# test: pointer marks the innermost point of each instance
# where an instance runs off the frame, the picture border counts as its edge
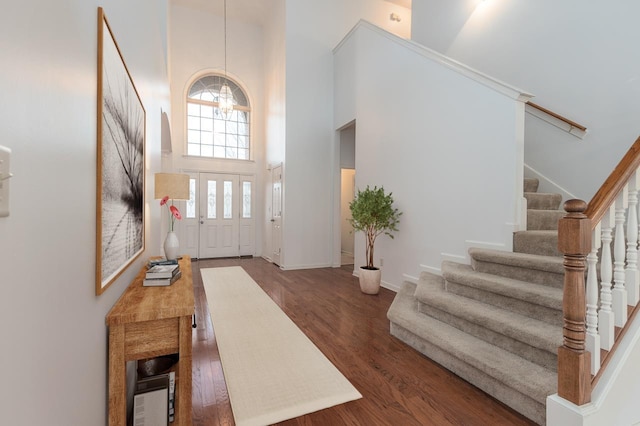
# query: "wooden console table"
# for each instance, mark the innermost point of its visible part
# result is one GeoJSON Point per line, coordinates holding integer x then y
{"type": "Point", "coordinates": [147, 322]}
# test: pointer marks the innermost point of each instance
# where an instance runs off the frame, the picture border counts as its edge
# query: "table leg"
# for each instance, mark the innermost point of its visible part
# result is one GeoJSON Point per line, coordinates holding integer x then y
{"type": "Point", "coordinates": [117, 377]}
{"type": "Point", "coordinates": [183, 392]}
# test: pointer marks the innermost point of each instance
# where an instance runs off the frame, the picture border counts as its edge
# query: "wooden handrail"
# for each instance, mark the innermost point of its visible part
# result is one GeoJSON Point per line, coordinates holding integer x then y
{"type": "Point", "coordinates": [558, 116]}
{"type": "Point", "coordinates": [611, 187]}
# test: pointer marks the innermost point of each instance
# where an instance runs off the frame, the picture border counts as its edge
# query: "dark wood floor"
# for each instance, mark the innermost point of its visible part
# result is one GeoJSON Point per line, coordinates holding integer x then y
{"type": "Point", "coordinates": [399, 386]}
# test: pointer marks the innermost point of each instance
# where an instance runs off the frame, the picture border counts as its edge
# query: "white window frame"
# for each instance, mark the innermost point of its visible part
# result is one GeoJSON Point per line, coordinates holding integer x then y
{"type": "Point", "coordinates": [214, 104]}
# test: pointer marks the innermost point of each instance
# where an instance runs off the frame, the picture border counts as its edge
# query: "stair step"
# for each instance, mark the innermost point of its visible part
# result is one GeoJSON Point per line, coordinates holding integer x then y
{"type": "Point", "coordinates": [537, 301]}
{"type": "Point", "coordinates": [529, 338]}
{"type": "Point", "coordinates": [518, 383]}
{"type": "Point", "coordinates": [537, 269]}
{"type": "Point", "coordinates": [531, 185]}
{"type": "Point", "coordinates": [542, 201]}
{"type": "Point", "coordinates": [543, 243]}
{"type": "Point", "coordinates": [497, 322]}
{"type": "Point", "coordinates": [539, 220]}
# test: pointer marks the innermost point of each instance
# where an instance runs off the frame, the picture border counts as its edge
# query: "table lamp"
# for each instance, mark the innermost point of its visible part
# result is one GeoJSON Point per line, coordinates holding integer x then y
{"type": "Point", "coordinates": [170, 187]}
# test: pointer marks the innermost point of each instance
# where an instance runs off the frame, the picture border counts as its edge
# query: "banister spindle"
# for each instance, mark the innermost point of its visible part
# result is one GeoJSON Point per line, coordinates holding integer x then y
{"type": "Point", "coordinates": [632, 275]}
{"type": "Point", "coordinates": [593, 338]}
{"type": "Point", "coordinates": [619, 292]}
{"type": "Point", "coordinates": [605, 315]}
{"type": "Point", "coordinates": [574, 362]}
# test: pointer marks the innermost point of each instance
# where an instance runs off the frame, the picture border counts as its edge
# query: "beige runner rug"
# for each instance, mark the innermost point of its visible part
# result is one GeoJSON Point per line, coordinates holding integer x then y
{"type": "Point", "coordinates": [273, 371]}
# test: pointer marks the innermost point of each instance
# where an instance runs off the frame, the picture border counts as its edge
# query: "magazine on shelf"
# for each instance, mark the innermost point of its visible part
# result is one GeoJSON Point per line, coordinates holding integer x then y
{"type": "Point", "coordinates": [162, 271]}
{"type": "Point", "coordinates": [172, 396]}
{"type": "Point", "coordinates": [151, 401]}
{"type": "Point", "coordinates": [155, 282]}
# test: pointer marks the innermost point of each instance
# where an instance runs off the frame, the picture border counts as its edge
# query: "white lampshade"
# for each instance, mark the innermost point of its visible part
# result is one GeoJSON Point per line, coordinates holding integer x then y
{"type": "Point", "coordinates": [173, 185]}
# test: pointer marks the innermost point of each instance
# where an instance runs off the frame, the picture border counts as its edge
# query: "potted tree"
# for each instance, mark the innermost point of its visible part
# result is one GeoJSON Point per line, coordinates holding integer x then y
{"type": "Point", "coordinates": [372, 212]}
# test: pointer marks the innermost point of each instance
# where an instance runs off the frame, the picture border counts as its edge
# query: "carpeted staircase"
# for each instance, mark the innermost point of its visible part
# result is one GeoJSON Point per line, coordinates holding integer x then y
{"type": "Point", "coordinates": [498, 322]}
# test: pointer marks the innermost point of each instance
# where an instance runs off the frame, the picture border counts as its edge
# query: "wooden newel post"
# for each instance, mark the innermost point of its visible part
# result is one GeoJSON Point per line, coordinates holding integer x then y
{"type": "Point", "coordinates": [574, 362]}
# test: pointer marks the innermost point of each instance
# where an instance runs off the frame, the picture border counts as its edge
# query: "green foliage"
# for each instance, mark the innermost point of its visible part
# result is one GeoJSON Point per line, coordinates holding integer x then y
{"type": "Point", "coordinates": [372, 212]}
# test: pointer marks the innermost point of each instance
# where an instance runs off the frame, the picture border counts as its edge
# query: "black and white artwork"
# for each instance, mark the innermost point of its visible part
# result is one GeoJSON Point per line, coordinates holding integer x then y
{"type": "Point", "coordinates": [121, 143]}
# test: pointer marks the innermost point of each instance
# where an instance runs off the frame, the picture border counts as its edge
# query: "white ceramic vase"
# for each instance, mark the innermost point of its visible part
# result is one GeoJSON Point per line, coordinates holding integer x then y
{"type": "Point", "coordinates": [171, 246]}
{"type": "Point", "coordinates": [370, 280]}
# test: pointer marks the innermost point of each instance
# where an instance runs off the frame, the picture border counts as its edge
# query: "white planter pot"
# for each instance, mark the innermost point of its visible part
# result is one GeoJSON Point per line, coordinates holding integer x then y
{"type": "Point", "coordinates": [370, 280]}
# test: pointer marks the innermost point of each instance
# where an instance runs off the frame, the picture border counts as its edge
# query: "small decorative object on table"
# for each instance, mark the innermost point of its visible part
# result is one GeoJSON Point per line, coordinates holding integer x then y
{"type": "Point", "coordinates": [162, 271]}
{"type": "Point", "coordinates": [171, 244]}
{"type": "Point", "coordinates": [158, 282]}
{"type": "Point", "coordinates": [160, 261]}
{"type": "Point", "coordinates": [161, 275]}
{"type": "Point", "coordinates": [170, 187]}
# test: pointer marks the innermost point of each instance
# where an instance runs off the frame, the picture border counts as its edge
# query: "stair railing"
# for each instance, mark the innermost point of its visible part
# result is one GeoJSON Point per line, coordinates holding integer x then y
{"type": "Point", "coordinates": [596, 310]}
{"type": "Point", "coordinates": [557, 120]}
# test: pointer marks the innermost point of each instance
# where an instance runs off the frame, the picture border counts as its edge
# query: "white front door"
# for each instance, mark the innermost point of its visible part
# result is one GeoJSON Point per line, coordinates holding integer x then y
{"type": "Point", "coordinates": [219, 216]}
{"type": "Point", "coordinates": [276, 214]}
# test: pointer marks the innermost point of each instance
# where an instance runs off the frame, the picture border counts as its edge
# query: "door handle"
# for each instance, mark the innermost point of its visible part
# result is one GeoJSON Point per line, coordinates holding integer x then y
{"type": "Point", "coordinates": [202, 222]}
{"type": "Point", "coordinates": [273, 220]}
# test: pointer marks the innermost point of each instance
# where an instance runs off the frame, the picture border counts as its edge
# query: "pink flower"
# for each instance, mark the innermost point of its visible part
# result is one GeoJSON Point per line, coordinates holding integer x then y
{"type": "Point", "coordinates": [175, 212]}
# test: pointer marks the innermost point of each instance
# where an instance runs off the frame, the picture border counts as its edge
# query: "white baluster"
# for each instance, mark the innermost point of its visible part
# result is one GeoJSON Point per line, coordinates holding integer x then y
{"type": "Point", "coordinates": [633, 275]}
{"type": "Point", "coordinates": [605, 315]}
{"type": "Point", "coordinates": [619, 292]}
{"type": "Point", "coordinates": [592, 341]}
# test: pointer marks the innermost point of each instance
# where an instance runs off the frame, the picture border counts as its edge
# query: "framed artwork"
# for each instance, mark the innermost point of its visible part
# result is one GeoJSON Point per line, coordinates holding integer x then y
{"type": "Point", "coordinates": [120, 163]}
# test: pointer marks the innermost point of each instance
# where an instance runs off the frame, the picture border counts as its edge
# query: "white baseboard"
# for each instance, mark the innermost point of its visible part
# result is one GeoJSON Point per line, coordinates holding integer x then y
{"type": "Point", "coordinates": [298, 267]}
{"type": "Point", "coordinates": [455, 258]}
{"type": "Point", "coordinates": [483, 244]}
{"type": "Point", "coordinates": [410, 278]}
{"type": "Point", "coordinates": [390, 286]}
{"type": "Point", "coordinates": [431, 269]}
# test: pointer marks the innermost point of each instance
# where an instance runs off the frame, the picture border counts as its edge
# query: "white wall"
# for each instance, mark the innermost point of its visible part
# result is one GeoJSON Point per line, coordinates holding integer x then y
{"type": "Point", "coordinates": [579, 59]}
{"type": "Point", "coordinates": [313, 29]}
{"type": "Point", "coordinates": [348, 147]}
{"type": "Point", "coordinates": [446, 146]}
{"type": "Point", "coordinates": [275, 82]}
{"type": "Point", "coordinates": [347, 185]}
{"type": "Point", "coordinates": [53, 334]}
{"type": "Point", "coordinates": [197, 47]}
{"type": "Point", "coordinates": [275, 106]}
{"type": "Point", "coordinates": [347, 192]}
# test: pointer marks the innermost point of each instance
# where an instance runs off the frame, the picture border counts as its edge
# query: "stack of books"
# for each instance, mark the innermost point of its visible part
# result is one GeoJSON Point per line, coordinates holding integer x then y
{"type": "Point", "coordinates": [162, 273]}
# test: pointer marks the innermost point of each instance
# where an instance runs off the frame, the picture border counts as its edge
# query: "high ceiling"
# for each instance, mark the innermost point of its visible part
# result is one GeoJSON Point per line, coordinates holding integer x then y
{"type": "Point", "coordinates": [252, 11]}
{"type": "Point", "coordinates": [403, 3]}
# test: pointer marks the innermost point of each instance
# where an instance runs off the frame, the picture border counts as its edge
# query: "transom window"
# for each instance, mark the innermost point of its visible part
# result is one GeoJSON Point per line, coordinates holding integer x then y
{"type": "Point", "coordinates": [210, 132]}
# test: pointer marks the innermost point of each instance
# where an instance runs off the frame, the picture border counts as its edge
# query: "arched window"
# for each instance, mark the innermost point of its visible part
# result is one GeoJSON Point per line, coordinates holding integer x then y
{"type": "Point", "coordinates": [209, 132]}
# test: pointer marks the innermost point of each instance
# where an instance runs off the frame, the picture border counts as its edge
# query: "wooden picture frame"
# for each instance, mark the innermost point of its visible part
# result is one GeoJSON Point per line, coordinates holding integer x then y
{"type": "Point", "coordinates": [120, 163]}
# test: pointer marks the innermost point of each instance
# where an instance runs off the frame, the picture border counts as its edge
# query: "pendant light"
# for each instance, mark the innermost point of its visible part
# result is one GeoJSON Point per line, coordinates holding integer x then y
{"type": "Point", "coordinates": [225, 99]}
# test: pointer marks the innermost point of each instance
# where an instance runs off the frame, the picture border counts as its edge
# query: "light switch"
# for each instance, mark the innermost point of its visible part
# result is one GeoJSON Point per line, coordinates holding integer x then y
{"type": "Point", "coordinates": [5, 179]}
